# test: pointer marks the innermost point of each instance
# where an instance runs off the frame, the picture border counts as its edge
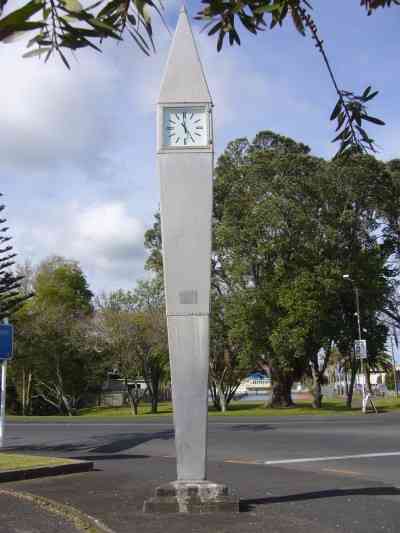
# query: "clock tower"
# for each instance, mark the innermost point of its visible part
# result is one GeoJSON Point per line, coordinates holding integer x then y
{"type": "Point", "coordinates": [185, 166]}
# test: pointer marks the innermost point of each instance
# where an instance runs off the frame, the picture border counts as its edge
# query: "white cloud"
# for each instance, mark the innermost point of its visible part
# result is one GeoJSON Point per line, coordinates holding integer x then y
{"type": "Point", "coordinates": [106, 239]}
{"type": "Point", "coordinates": [51, 116]}
{"type": "Point", "coordinates": [108, 234]}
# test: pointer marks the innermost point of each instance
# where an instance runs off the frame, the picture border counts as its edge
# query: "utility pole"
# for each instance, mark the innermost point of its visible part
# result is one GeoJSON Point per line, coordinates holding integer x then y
{"type": "Point", "coordinates": [394, 365]}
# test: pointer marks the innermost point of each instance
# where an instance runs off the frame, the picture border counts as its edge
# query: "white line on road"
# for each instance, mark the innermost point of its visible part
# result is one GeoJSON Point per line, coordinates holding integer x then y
{"type": "Point", "coordinates": [331, 458]}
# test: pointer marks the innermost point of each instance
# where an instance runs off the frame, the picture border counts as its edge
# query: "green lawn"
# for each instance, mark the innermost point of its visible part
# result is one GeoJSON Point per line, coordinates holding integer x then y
{"type": "Point", "coordinates": [303, 407]}
{"type": "Point", "coordinates": [9, 461]}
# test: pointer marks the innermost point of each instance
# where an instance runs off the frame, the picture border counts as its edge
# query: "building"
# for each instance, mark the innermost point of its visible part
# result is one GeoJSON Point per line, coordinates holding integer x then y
{"type": "Point", "coordinates": [254, 383]}
{"type": "Point", "coordinates": [115, 389]}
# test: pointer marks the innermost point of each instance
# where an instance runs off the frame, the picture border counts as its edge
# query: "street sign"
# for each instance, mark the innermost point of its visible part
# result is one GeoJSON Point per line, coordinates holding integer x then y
{"type": "Point", "coordinates": [360, 349]}
{"type": "Point", "coordinates": [6, 341]}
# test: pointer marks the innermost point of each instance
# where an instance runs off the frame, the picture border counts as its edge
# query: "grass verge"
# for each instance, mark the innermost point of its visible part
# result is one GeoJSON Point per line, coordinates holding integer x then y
{"type": "Point", "coordinates": [10, 461]}
{"type": "Point", "coordinates": [238, 408]}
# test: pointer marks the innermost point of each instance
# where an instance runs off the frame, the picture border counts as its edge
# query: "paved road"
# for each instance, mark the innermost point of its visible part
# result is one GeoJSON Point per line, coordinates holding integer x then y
{"type": "Point", "coordinates": [298, 473]}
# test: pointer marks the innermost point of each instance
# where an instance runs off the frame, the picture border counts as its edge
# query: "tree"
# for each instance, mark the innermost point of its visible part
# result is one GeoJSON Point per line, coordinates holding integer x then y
{"type": "Point", "coordinates": [11, 297]}
{"type": "Point", "coordinates": [57, 359]}
{"type": "Point", "coordinates": [287, 227]}
{"type": "Point", "coordinates": [115, 326]}
{"type": "Point", "coordinates": [261, 233]}
{"type": "Point", "coordinates": [133, 328]}
{"type": "Point", "coordinates": [228, 363]}
{"type": "Point", "coordinates": [152, 337]}
{"type": "Point", "coordinates": [68, 25]}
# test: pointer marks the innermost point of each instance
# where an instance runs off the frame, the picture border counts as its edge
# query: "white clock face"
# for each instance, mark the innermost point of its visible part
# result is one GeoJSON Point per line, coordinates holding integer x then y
{"type": "Point", "coordinates": [185, 126]}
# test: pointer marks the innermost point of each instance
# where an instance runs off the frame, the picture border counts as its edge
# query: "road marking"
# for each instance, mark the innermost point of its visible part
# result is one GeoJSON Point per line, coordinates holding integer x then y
{"type": "Point", "coordinates": [241, 461]}
{"type": "Point", "coordinates": [331, 458]}
{"type": "Point", "coordinates": [338, 471]}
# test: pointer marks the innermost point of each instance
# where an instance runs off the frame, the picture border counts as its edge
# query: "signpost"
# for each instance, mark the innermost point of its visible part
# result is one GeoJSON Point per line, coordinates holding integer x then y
{"type": "Point", "coordinates": [6, 352]}
{"type": "Point", "coordinates": [360, 349]}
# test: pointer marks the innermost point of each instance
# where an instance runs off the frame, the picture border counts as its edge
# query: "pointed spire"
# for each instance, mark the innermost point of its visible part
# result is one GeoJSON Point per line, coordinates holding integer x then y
{"type": "Point", "coordinates": [184, 80]}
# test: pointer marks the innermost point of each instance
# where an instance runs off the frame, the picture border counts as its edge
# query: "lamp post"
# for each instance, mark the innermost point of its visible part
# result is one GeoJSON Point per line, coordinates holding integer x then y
{"type": "Point", "coordinates": [357, 295]}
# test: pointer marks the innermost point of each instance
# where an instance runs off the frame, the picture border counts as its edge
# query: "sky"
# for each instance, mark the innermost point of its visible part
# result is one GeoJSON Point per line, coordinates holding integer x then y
{"type": "Point", "coordinates": [77, 148]}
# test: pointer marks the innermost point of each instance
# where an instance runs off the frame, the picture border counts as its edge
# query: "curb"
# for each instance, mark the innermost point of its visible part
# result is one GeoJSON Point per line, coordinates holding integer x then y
{"type": "Point", "coordinates": [81, 521]}
{"type": "Point", "coordinates": [44, 471]}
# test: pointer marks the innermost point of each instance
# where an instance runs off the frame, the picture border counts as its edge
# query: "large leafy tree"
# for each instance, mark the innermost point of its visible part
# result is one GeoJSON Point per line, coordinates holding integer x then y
{"type": "Point", "coordinates": [259, 234]}
{"type": "Point", "coordinates": [60, 25]}
{"type": "Point", "coordinates": [57, 358]}
{"type": "Point", "coordinates": [288, 226]}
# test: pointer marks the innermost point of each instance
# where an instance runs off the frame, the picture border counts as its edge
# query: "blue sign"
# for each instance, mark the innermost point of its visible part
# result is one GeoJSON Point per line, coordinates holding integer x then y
{"type": "Point", "coordinates": [6, 341]}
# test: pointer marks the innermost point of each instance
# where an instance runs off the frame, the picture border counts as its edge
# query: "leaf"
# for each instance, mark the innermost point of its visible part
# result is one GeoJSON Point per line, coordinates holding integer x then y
{"type": "Point", "coordinates": [374, 120]}
{"type": "Point", "coordinates": [13, 37]}
{"type": "Point", "coordinates": [371, 96]}
{"type": "Point", "coordinates": [140, 45]}
{"type": "Point", "coordinates": [337, 109]}
{"type": "Point", "coordinates": [132, 19]}
{"type": "Point", "coordinates": [366, 92]}
{"type": "Point", "coordinates": [268, 8]}
{"type": "Point", "coordinates": [341, 119]}
{"type": "Point", "coordinates": [18, 20]}
{"type": "Point", "coordinates": [215, 28]}
{"type": "Point", "coordinates": [73, 5]}
{"type": "Point", "coordinates": [109, 8]}
{"type": "Point", "coordinates": [64, 59]}
{"type": "Point", "coordinates": [298, 21]}
{"type": "Point", "coordinates": [21, 28]}
{"type": "Point", "coordinates": [236, 37]}
{"type": "Point", "coordinates": [220, 42]}
{"type": "Point", "coordinates": [107, 29]}
{"type": "Point", "coordinates": [35, 53]}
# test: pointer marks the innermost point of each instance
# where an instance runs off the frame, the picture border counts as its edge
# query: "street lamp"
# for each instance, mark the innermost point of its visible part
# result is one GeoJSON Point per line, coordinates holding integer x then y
{"type": "Point", "coordinates": [356, 291]}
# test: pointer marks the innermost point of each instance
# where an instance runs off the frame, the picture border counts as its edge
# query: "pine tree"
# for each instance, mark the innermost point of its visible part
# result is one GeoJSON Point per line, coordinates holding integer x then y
{"type": "Point", "coordinates": [11, 297]}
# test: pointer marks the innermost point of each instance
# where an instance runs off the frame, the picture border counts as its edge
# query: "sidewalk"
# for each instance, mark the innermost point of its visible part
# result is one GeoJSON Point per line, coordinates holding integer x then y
{"type": "Point", "coordinates": [274, 499]}
{"type": "Point", "coordinates": [18, 515]}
